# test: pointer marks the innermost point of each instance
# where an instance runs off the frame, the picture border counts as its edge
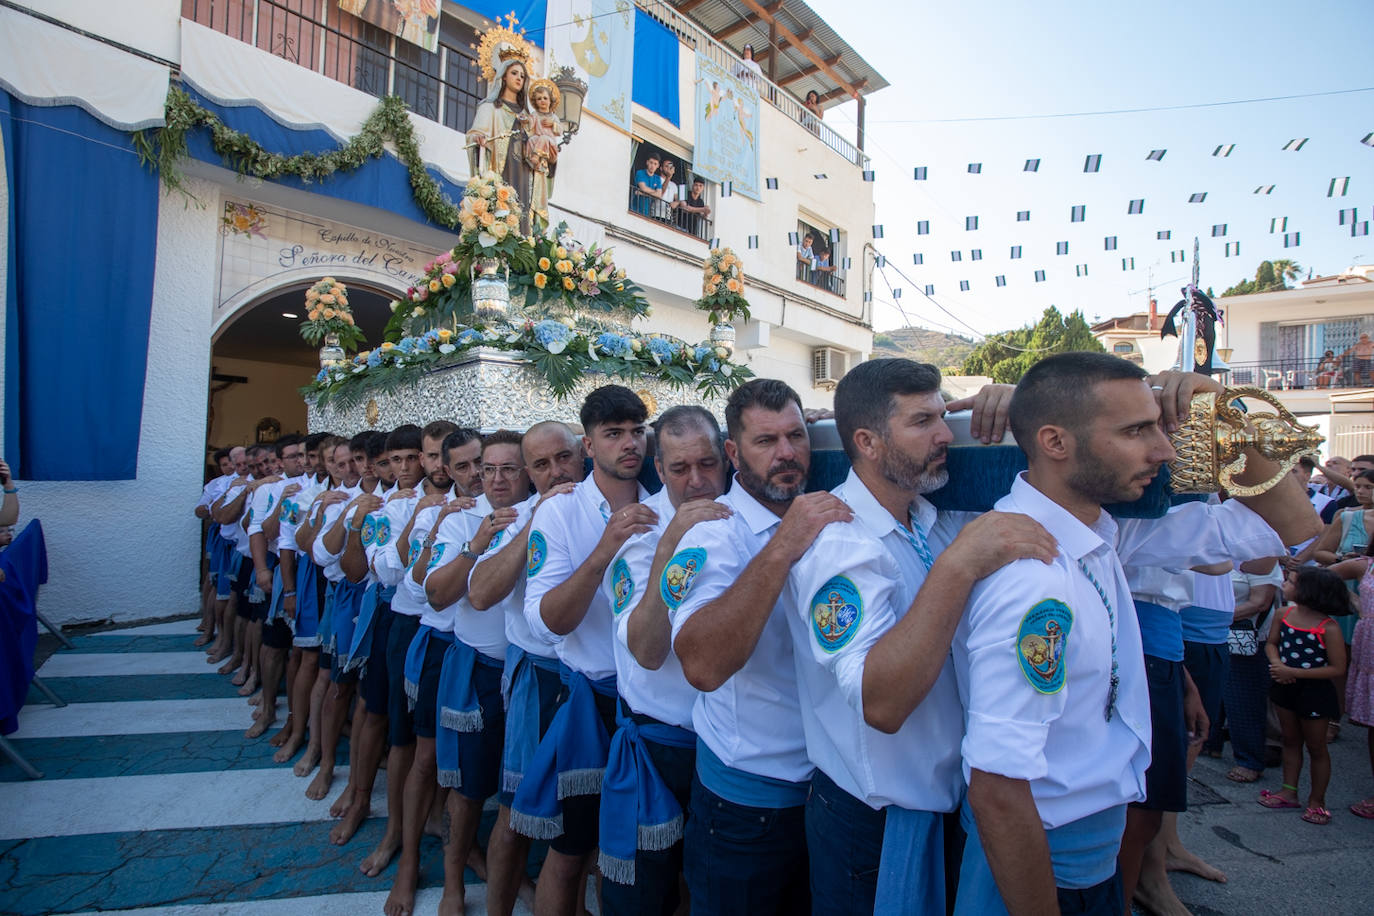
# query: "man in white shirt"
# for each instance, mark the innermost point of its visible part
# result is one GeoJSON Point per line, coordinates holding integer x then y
{"type": "Point", "coordinates": [553, 459]}
{"type": "Point", "coordinates": [723, 589]}
{"type": "Point", "coordinates": [231, 511]}
{"type": "Point", "coordinates": [470, 733]}
{"type": "Point", "coordinates": [871, 608]}
{"type": "Point", "coordinates": [211, 492]}
{"type": "Point", "coordinates": [421, 664]}
{"type": "Point", "coordinates": [1049, 658]}
{"type": "Point", "coordinates": [574, 539]}
{"type": "Point", "coordinates": [646, 794]}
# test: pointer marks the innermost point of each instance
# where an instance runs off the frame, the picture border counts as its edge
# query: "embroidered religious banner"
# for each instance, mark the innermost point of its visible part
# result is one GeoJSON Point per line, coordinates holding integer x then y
{"type": "Point", "coordinates": [415, 21]}
{"type": "Point", "coordinates": [597, 39]}
{"type": "Point", "coordinates": [727, 128]}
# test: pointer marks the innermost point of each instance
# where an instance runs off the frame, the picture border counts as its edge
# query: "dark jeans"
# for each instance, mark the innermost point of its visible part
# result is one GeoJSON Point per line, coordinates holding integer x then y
{"type": "Point", "coordinates": [846, 835]}
{"type": "Point", "coordinates": [1246, 696]}
{"type": "Point", "coordinates": [744, 860]}
{"type": "Point", "coordinates": [1099, 900]}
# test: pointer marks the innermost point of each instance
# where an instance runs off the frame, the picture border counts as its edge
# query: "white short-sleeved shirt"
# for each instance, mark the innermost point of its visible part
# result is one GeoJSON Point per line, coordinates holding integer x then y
{"type": "Point", "coordinates": [214, 490]}
{"type": "Point", "coordinates": [266, 501]}
{"type": "Point", "coordinates": [230, 531]}
{"type": "Point", "coordinates": [410, 595]}
{"type": "Point", "coordinates": [383, 557]}
{"type": "Point", "coordinates": [850, 588]}
{"type": "Point", "coordinates": [752, 722]}
{"type": "Point", "coordinates": [512, 607]}
{"type": "Point", "coordinates": [293, 509]}
{"type": "Point", "coordinates": [665, 693]}
{"type": "Point", "coordinates": [327, 561]}
{"type": "Point", "coordinates": [566, 530]}
{"type": "Point", "coordinates": [1033, 654]}
{"type": "Point", "coordinates": [484, 631]}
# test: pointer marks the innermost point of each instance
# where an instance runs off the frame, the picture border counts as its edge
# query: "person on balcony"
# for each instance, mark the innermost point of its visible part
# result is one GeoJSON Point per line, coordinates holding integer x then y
{"type": "Point", "coordinates": [812, 122]}
{"type": "Point", "coordinates": [672, 192]}
{"type": "Point", "coordinates": [693, 208]}
{"type": "Point", "coordinates": [1363, 352]}
{"type": "Point", "coordinates": [1328, 369]}
{"type": "Point", "coordinates": [648, 186]}
{"type": "Point", "coordinates": [747, 70]}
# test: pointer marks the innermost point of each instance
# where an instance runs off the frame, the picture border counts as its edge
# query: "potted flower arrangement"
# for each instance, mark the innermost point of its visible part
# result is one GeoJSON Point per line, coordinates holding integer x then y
{"type": "Point", "coordinates": [330, 319]}
{"type": "Point", "coordinates": [722, 295]}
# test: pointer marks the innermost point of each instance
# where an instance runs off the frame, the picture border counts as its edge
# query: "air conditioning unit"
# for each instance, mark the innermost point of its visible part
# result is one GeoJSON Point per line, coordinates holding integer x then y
{"type": "Point", "coordinates": [827, 367]}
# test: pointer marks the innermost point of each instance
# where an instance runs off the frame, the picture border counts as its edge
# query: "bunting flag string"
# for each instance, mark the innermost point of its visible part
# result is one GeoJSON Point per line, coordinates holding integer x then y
{"type": "Point", "coordinates": [918, 259]}
{"type": "Point", "coordinates": [1295, 144]}
{"type": "Point", "coordinates": [975, 254]}
{"type": "Point", "coordinates": [1001, 280]}
{"type": "Point", "coordinates": [1109, 243]}
{"type": "Point", "coordinates": [1081, 270]}
{"type": "Point", "coordinates": [1136, 207]}
{"type": "Point", "coordinates": [955, 256]}
{"type": "Point", "coordinates": [1032, 165]}
{"type": "Point", "coordinates": [920, 173]}
{"type": "Point", "coordinates": [1278, 224]}
{"type": "Point", "coordinates": [1061, 247]}
{"type": "Point", "coordinates": [1338, 187]}
{"type": "Point", "coordinates": [1265, 189]}
{"type": "Point", "coordinates": [1218, 230]}
{"type": "Point", "coordinates": [1023, 216]}
{"type": "Point", "coordinates": [975, 168]}
{"type": "Point", "coordinates": [753, 241]}
{"type": "Point", "coordinates": [1039, 276]}
{"type": "Point", "coordinates": [1347, 216]}
{"type": "Point", "coordinates": [1197, 198]}
{"type": "Point", "coordinates": [970, 223]}
{"type": "Point", "coordinates": [1078, 213]}
{"type": "Point", "coordinates": [923, 227]}
{"type": "Point", "coordinates": [963, 286]}
{"type": "Point", "coordinates": [1359, 229]}
{"type": "Point", "coordinates": [1128, 263]}
{"type": "Point", "coordinates": [1232, 249]}
{"type": "Point", "coordinates": [1164, 235]}
{"type": "Point", "coordinates": [870, 175]}
{"type": "Point", "coordinates": [1015, 252]}
{"type": "Point", "coordinates": [1292, 239]}
{"type": "Point", "coordinates": [1156, 155]}
{"type": "Point", "coordinates": [1224, 150]}
{"type": "Point", "coordinates": [1093, 163]}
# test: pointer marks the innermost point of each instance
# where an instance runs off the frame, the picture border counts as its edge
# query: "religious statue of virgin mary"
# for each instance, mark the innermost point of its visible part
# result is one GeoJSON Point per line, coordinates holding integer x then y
{"type": "Point", "coordinates": [497, 136]}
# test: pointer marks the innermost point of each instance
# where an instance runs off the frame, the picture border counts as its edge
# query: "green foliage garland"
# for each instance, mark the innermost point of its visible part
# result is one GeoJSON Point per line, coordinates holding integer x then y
{"type": "Point", "coordinates": [165, 147]}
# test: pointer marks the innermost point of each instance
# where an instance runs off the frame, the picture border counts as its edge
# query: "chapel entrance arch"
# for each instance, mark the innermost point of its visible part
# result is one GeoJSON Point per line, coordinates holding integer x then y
{"type": "Point", "coordinates": [259, 359]}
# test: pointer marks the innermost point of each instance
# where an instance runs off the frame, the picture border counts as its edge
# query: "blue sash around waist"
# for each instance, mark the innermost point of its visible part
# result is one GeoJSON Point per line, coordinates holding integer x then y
{"type": "Point", "coordinates": [520, 692]}
{"type": "Point", "coordinates": [415, 660]}
{"type": "Point", "coordinates": [744, 788]}
{"type": "Point", "coordinates": [343, 615]}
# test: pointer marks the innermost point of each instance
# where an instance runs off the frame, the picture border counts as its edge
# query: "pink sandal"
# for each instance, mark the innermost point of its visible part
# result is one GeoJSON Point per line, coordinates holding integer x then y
{"type": "Point", "coordinates": [1275, 800]}
{"type": "Point", "coordinates": [1317, 815]}
{"type": "Point", "coordinates": [1364, 809]}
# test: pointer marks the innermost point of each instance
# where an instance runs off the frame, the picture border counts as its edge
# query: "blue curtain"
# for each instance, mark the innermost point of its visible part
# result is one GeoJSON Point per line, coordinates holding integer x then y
{"type": "Point", "coordinates": [531, 14]}
{"type": "Point", "coordinates": [383, 183]}
{"type": "Point", "coordinates": [655, 74]}
{"type": "Point", "coordinates": [82, 243]}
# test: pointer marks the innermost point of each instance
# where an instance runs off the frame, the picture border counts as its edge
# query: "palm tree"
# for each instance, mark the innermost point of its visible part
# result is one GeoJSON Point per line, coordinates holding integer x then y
{"type": "Point", "coordinates": [1286, 269]}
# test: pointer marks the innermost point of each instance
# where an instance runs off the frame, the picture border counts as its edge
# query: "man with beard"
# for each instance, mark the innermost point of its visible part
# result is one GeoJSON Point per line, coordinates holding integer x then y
{"type": "Point", "coordinates": [552, 455]}
{"type": "Point", "coordinates": [574, 539]}
{"type": "Point", "coordinates": [390, 564]}
{"type": "Point", "coordinates": [653, 753]}
{"type": "Point", "coordinates": [872, 607]}
{"type": "Point", "coordinates": [1048, 657]}
{"type": "Point", "coordinates": [745, 844]}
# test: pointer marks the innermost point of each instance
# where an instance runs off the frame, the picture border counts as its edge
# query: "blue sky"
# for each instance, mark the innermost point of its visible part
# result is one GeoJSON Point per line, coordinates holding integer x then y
{"type": "Point", "coordinates": [1008, 60]}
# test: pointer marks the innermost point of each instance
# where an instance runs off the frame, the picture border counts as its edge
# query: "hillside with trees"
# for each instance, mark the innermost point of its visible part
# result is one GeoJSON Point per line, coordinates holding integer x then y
{"type": "Point", "coordinates": [948, 351]}
{"type": "Point", "coordinates": [1006, 356]}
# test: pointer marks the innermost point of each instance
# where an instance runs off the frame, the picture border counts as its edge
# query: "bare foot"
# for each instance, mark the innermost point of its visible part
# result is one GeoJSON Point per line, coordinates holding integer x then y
{"type": "Point", "coordinates": [289, 749]}
{"type": "Point", "coordinates": [319, 786]}
{"type": "Point", "coordinates": [451, 904]}
{"type": "Point", "coordinates": [343, 802]}
{"type": "Point", "coordinates": [1177, 858]}
{"type": "Point", "coordinates": [353, 819]}
{"type": "Point", "coordinates": [309, 760]}
{"type": "Point", "coordinates": [216, 656]}
{"type": "Point", "coordinates": [380, 858]}
{"type": "Point", "coordinates": [260, 727]}
{"type": "Point", "coordinates": [250, 686]}
{"type": "Point", "coordinates": [401, 900]}
{"type": "Point", "coordinates": [281, 737]}
{"type": "Point", "coordinates": [241, 679]}
{"type": "Point", "coordinates": [229, 666]}
{"type": "Point", "coordinates": [1158, 897]}
{"type": "Point", "coordinates": [204, 639]}
{"type": "Point", "coordinates": [255, 699]}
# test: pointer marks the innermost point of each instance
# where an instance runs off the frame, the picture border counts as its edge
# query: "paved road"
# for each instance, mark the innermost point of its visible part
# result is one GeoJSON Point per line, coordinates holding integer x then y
{"type": "Point", "coordinates": [1276, 863]}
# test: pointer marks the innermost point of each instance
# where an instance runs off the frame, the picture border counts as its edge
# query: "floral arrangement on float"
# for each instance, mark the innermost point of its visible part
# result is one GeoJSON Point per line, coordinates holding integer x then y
{"type": "Point", "coordinates": [722, 295]}
{"type": "Point", "coordinates": [329, 319]}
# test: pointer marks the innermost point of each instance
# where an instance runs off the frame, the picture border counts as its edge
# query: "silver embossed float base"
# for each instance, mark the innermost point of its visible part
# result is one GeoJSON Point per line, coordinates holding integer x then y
{"type": "Point", "coordinates": [491, 389]}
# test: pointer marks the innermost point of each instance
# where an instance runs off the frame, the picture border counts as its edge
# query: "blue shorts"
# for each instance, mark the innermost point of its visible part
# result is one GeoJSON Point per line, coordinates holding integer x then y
{"type": "Point", "coordinates": [745, 860]}
{"type": "Point", "coordinates": [847, 835]}
{"type": "Point", "coordinates": [1208, 664]}
{"type": "Point", "coordinates": [548, 686]}
{"type": "Point", "coordinates": [1166, 780]}
{"type": "Point", "coordinates": [401, 728]}
{"type": "Point", "coordinates": [470, 762]}
{"type": "Point", "coordinates": [373, 686]}
{"type": "Point", "coordinates": [582, 813]}
{"type": "Point", "coordinates": [425, 713]}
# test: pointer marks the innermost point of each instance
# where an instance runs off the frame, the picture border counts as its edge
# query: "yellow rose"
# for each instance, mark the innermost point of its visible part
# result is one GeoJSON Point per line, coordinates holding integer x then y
{"type": "Point", "coordinates": [568, 284]}
{"type": "Point", "coordinates": [330, 280]}
{"type": "Point", "coordinates": [448, 281]}
{"type": "Point", "coordinates": [445, 334]}
{"type": "Point", "coordinates": [362, 357]}
{"type": "Point", "coordinates": [468, 223]}
{"type": "Point", "coordinates": [311, 295]}
{"type": "Point", "coordinates": [314, 315]}
{"type": "Point", "coordinates": [620, 274]}
{"type": "Point", "coordinates": [486, 219]}
{"type": "Point", "coordinates": [341, 299]}
{"type": "Point", "coordinates": [722, 353]}
{"type": "Point", "coordinates": [544, 264]}
{"type": "Point", "coordinates": [590, 276]}
{"type": "Point", "coordinates": [327, 298]}
{"type": "Point", "coordinates": [480, 207]}
{"type": "Point", "coordinates": [561, 251]}
{"type": "Point", "coordinates": [348, 319]}
{"type": "Point", "coordinates": [500, 230]}
{"type": "Point", "coordinates": [732, 285]}
{"type": "Point", "coordinates": [541, 280]}
{"type": "Point", "coordinates": [328, 314]}
{"type": "Point", "coordinates": [434, 286]}
{"type": "Point", "coordinates": [503, 193]}
{"type": "Point", "coordinates": [418, 312]}
{"type": "Point", "coordinates": [513, 220]}
{"type": "Point", "coordinates": [387, 345]}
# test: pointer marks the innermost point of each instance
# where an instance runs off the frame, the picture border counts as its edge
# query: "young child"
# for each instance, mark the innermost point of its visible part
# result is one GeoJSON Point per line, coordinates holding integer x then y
{"type": "Point", "coordinates": [541, 149]}
{"type": "Point", "coordinates": [1306, 653]}
{"type": "Point", "coordinates": [1359, 682]}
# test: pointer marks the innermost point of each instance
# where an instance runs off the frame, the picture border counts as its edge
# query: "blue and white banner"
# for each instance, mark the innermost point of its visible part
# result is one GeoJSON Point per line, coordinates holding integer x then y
{"type": "Point", "coordinates": [727, 128]}
{"type": "Point", "coordinates": [597, 39]}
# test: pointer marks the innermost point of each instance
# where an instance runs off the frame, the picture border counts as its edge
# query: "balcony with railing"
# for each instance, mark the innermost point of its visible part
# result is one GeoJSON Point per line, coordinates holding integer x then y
{"type": "Point", "coordinates": [1348, 371]}
{"type": "Point", "coordinates": [825, 277]}
{"type": "Point", "coordinates": [652, 207]}
{"type": "Point", "coordinates": [441, 86]}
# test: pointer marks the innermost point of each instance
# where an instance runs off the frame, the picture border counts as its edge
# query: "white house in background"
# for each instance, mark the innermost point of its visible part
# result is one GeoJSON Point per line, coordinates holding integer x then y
{"type": "Point", "coordinates": [231, 267]}
{"type": "Point", "coordinates": [1136, 338]}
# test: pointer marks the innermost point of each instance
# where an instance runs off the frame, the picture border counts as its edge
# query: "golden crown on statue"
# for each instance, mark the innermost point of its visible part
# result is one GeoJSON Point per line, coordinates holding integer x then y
{"type": "Point", "coordinates": [1211, 443]}
{"type": "Point", "coordinates": [502, 43]}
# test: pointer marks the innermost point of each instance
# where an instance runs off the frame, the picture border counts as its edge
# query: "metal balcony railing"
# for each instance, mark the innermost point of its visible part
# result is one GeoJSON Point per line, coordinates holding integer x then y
{"type": "Point", "coordinates": [1297, 374]}
{"type": "Point", "coordinates": [317, 35]}
{"type": "Point", "coordinates": [650, 207]}
{"type": "Point", "coordinates": [827, 278]}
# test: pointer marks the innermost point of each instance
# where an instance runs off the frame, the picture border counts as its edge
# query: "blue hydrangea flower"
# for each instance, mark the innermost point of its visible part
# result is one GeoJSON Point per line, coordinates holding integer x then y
{"type": "Point", "coordinates": [550, 332]}
{"type": "Point", "coordinates": [713, 364]}
{"type": "Point", "coordinates": [468, 336]}
{"type": "Point", "coordinates": [432, 335]}
{"type": "Point", "coordinates": [661, 348]}
{"type": "Point", "coordinates": [407, 345]}
{"type": "Point", "coordinates": [374, 359]}
{"type": "Point", "coordinates": [322, 376]}
{"type": "Point", "coordinates": [614, 345]}
{"type": "Point", "coordinates": [422, 345]}
{"type": "Point", "coordinates": [700, 353]}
